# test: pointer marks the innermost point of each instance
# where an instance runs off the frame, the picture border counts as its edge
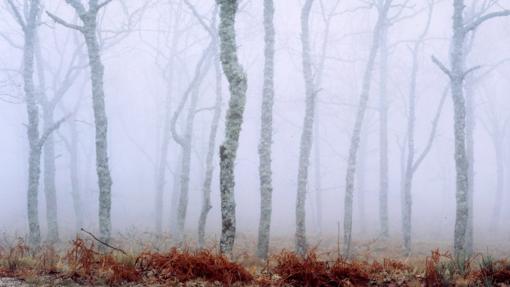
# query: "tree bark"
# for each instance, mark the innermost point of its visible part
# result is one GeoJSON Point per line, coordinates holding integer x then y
{"type": "Point", "coordinates": [307, 132]}
{"type": "Point", "coordinates": [234, 119]}
{"type": "Point", "coordinates": [34, 158]}
{"type": "Point", "coordinates": [266, 134]}
{"type": "Point", "coordinates": [461, 162]}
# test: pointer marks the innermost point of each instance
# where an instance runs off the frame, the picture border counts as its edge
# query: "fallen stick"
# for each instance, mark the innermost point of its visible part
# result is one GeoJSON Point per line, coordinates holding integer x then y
{"type": "Point", "coordinates": [104, 243]}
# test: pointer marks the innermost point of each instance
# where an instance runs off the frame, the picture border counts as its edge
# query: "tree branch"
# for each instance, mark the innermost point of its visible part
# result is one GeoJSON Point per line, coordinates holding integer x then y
{"type": "Point", "coordinates": [50, 130]}
{"type": "Point", "coordinates": [471, 70]}
{"type": "Point", "coordinates": [485, 18]}
{"type": "Point", "coordinates": [104, 243]}
{"type": "Point", "coordinates": [433, 132]}
{"type": "Point", "coordinates": [17, 14]}
{"type": "Point", "coordinates": [441, 66]}
{"type": "Point", "coordinates": [100, 6]}
{"type": "Point", "coordinates": [64, 23]}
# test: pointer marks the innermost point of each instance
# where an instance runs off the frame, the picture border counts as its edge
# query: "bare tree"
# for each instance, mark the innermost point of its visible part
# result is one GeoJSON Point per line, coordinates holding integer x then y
{"type": "Point", "coordinates": [382, 8]}
{"type": "Point", "coordinates": [29, 22]}
{"type": "Point", "coordinates": [411, 165]}
{"type": "Point", "coordinates": [266, 133]}
{"type": "Point", "coordinates": [209, 168]}
{"type": "Point", "coordinates": [59, 88]}
{"type": "Point", "coordinates": [457, 74]}
{"type": "Point", "coordinates": [185, 141]}
{"type": "Point", "coordinates": [88, 18]}
{"type": "Point", "coordinates": [228, 150]}
{"type": "Point", "coordinates": [162, 165]}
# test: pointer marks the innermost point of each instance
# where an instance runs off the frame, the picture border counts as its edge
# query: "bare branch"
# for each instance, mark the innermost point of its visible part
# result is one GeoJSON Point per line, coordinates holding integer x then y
{"type": "Point", "coordinates": [441, 66]}
{"type": "Point", "coordinates": [100, 6]}
{"type": "Point", "coordinates": [466, 73]}
{"type": "Point", "coordinates": [433, 132]}
{"type": "Point", "coordinates": [477, 22]}
{"type": "Point", "coordinates": [64, 23]}
{"type": "Point", "coordinates": [17, 14]}
{"type": "Point", "coordinates": [78, 7]}
{"type": "Point", "coordinates": [50, 130]}
{"type": "Point", "coordinates": [104, 243]}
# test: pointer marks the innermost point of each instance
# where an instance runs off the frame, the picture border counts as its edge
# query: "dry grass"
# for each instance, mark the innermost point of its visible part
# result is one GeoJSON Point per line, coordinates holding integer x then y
{"type": "Point", "coordinates": [82, 263]}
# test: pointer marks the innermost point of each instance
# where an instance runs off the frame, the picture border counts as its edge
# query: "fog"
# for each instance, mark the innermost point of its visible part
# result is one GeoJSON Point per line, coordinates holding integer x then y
{"type": "Point", "coordinates": [150, 49]}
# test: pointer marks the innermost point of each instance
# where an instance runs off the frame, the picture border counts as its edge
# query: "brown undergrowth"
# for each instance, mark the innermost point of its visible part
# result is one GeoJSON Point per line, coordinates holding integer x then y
{"type": "Point", "coordinates": [84, 263]}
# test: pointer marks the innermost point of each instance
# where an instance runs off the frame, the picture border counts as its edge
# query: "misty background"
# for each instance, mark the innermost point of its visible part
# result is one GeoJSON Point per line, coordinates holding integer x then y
{"type": "Point", "coordinates": [135, 40]}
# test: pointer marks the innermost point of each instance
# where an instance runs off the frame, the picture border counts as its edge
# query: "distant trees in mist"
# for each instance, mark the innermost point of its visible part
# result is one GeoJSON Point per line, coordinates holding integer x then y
{"type": "Point", "coordinates": [220, 57]}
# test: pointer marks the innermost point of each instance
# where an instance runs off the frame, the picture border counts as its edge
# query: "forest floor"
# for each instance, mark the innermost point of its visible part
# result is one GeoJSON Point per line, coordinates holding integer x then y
{"type": "Point", "coordinates": [146, 260]}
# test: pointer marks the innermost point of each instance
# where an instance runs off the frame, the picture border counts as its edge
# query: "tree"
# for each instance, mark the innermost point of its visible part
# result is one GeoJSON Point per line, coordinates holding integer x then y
{"type": "Point", "coordinates": [411, 164]}
{"type": "Point", "coordinates": [307, 132]}
{"type": "Point", "coordinates": [209, 169]}
{"type": "Point", "coordinates": [185, 141]}
{"type": "Point", "coordinates": [228, 150]}
{"type": "Point", "coordinates": [457, 74]}
{"type": "Point", "coordinates": [266, 133]}
{"type": "Point", "coordinates": [36, 140]}
{"type": "Point", "coordinates": [382, 9]}
{"type": "Point", "coordinates": [59, 89]}
{"type": "Point", "coordinates": [88, 18]}
{"type": "Point", "coordinates": [162, 165]}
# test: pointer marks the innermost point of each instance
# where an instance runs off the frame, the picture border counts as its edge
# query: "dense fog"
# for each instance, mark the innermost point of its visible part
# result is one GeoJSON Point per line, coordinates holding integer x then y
{"type": "Point", "coordinates": [150, 51]}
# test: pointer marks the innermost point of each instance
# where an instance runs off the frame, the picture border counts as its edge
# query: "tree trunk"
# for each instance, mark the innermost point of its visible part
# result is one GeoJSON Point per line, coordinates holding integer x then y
{"type": "Point", "coordinates": [163, 153]}
{"type": "Point", "coordinates": [228, 150]}
{"type": "Point", "coordinates": [50, 190]}
{"type": "Point", "coordinates": [470, 150]}
{"type": "Point", "coordinates": [266, 134]}
{"type": "Point", "coordinates": [307, 132]}
{"type": "Point", "coordinates": [49, 177]}
{"type": "Point", "coordinates": [356, 134]}
{"type": "Point", "coordinates": [34, 158]}
{"type": "Point", "coordinates": [498, 144]}
{"type": "Point", "coordinates": [461, 162]}
{"type": "Point", "coordinates": [361, 180]}
{"type": "Point", "coordinates": [73, 168]}
{"type": "Point", "coordinates": [209, 169]}
{"type": "Point", "coordinates": [411, 165]}
{"type": "Point", "coordinates": [101, 125]}
{"type": "Point", "coordinates": [185, 141]}
{"type": "Point", "coordinates": [383, 132]}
